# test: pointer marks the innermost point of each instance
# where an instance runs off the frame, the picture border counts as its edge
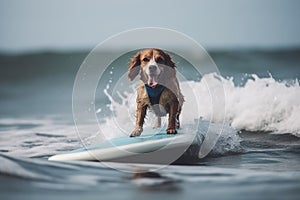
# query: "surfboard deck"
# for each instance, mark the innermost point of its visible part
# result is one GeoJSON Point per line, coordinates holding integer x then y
{"type": "Point", "coordinates": [147, 148]}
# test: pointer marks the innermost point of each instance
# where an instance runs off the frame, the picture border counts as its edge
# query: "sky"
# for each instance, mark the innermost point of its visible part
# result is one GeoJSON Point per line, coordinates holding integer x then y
{"type": "Point", "coordinates": [31, 25]}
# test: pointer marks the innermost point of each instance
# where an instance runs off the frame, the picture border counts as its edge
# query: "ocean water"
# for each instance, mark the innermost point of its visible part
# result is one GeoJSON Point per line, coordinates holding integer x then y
{"type": "Point", "coordinates": [256, 156]}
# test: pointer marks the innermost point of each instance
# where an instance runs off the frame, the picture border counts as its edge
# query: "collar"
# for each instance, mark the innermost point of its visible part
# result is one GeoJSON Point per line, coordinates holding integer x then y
{"type": "Point", "coordinates": [154, 93]}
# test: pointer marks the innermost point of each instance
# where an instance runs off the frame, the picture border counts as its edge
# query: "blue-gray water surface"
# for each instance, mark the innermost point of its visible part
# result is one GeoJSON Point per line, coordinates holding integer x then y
{"type": "Point", "coordinates": [260, 160]}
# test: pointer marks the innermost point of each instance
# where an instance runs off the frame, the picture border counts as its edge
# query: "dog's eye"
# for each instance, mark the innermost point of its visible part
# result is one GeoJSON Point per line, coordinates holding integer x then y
{"type": "Point", "coordinates": [159, 60]}
{"type": "Point", "coordinates": [146, 59]}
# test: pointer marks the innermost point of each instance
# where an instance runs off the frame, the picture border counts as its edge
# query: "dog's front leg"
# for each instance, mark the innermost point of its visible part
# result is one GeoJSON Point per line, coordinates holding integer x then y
{"type": "Point", "coordinates": [140, 116]}
{"type": "Point", "coordinates": [172, 119]}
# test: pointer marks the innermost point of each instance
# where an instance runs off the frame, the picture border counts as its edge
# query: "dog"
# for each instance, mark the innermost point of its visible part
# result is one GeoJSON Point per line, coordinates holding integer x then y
{"type": "Point", "coordinates": [158, 89]}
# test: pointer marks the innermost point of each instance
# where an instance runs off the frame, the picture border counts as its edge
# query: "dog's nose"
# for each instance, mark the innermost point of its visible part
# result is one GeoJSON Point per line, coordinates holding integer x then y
{"type": "Point", "coordinates": [152, 68]}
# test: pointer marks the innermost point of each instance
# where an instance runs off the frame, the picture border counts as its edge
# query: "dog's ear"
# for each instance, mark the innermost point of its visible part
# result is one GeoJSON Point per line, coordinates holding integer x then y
{"type": "Point", "coordinates": [171, 71]}
{"type": "Point", "coordinates": [134, 66]}
{"type": "Point", "coordinates": [169, 61]}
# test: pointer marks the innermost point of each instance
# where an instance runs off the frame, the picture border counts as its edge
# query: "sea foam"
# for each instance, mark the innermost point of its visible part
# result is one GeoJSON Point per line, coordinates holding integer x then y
{"type": "Point", "coordinates": [260, 104]}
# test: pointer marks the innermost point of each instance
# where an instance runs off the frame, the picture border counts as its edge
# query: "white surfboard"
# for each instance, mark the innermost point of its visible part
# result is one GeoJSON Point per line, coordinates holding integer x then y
{"type": "Point", "coordinates": [158, 148]}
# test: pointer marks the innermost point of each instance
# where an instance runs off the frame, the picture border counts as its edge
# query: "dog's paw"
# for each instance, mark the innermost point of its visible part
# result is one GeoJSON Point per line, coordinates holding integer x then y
{"type": "Point", "coordinates": [171, 131]}
{"type": "Point", "coordinates": [136, 132]}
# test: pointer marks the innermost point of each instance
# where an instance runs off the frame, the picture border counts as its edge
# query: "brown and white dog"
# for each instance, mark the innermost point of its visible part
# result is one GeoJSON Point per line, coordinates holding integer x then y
{"type": "Point", "coordinates": [158, 90]}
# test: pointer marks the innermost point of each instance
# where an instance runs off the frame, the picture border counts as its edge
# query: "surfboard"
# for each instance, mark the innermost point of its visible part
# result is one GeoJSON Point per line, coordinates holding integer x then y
{"type": "Point", "coordinates": [159, 148]}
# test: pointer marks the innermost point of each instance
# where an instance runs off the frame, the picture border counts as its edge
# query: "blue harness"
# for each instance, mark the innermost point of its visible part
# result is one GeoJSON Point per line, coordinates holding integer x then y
{"type": "Point", "coordinates": [154, 93]}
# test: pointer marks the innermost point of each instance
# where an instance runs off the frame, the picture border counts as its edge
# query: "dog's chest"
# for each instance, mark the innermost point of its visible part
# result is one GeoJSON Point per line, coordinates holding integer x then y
{"type": "Point", "coordinates": [154, 93]}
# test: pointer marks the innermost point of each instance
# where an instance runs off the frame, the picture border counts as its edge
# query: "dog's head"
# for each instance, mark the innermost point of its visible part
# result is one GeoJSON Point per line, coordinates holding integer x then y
{"type": "Point", "coordinates": [154, 66]}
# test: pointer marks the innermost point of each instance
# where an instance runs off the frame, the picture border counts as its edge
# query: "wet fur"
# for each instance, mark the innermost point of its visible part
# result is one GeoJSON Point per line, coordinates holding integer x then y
{"type": "Point", "coordinates": [171, 98]}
